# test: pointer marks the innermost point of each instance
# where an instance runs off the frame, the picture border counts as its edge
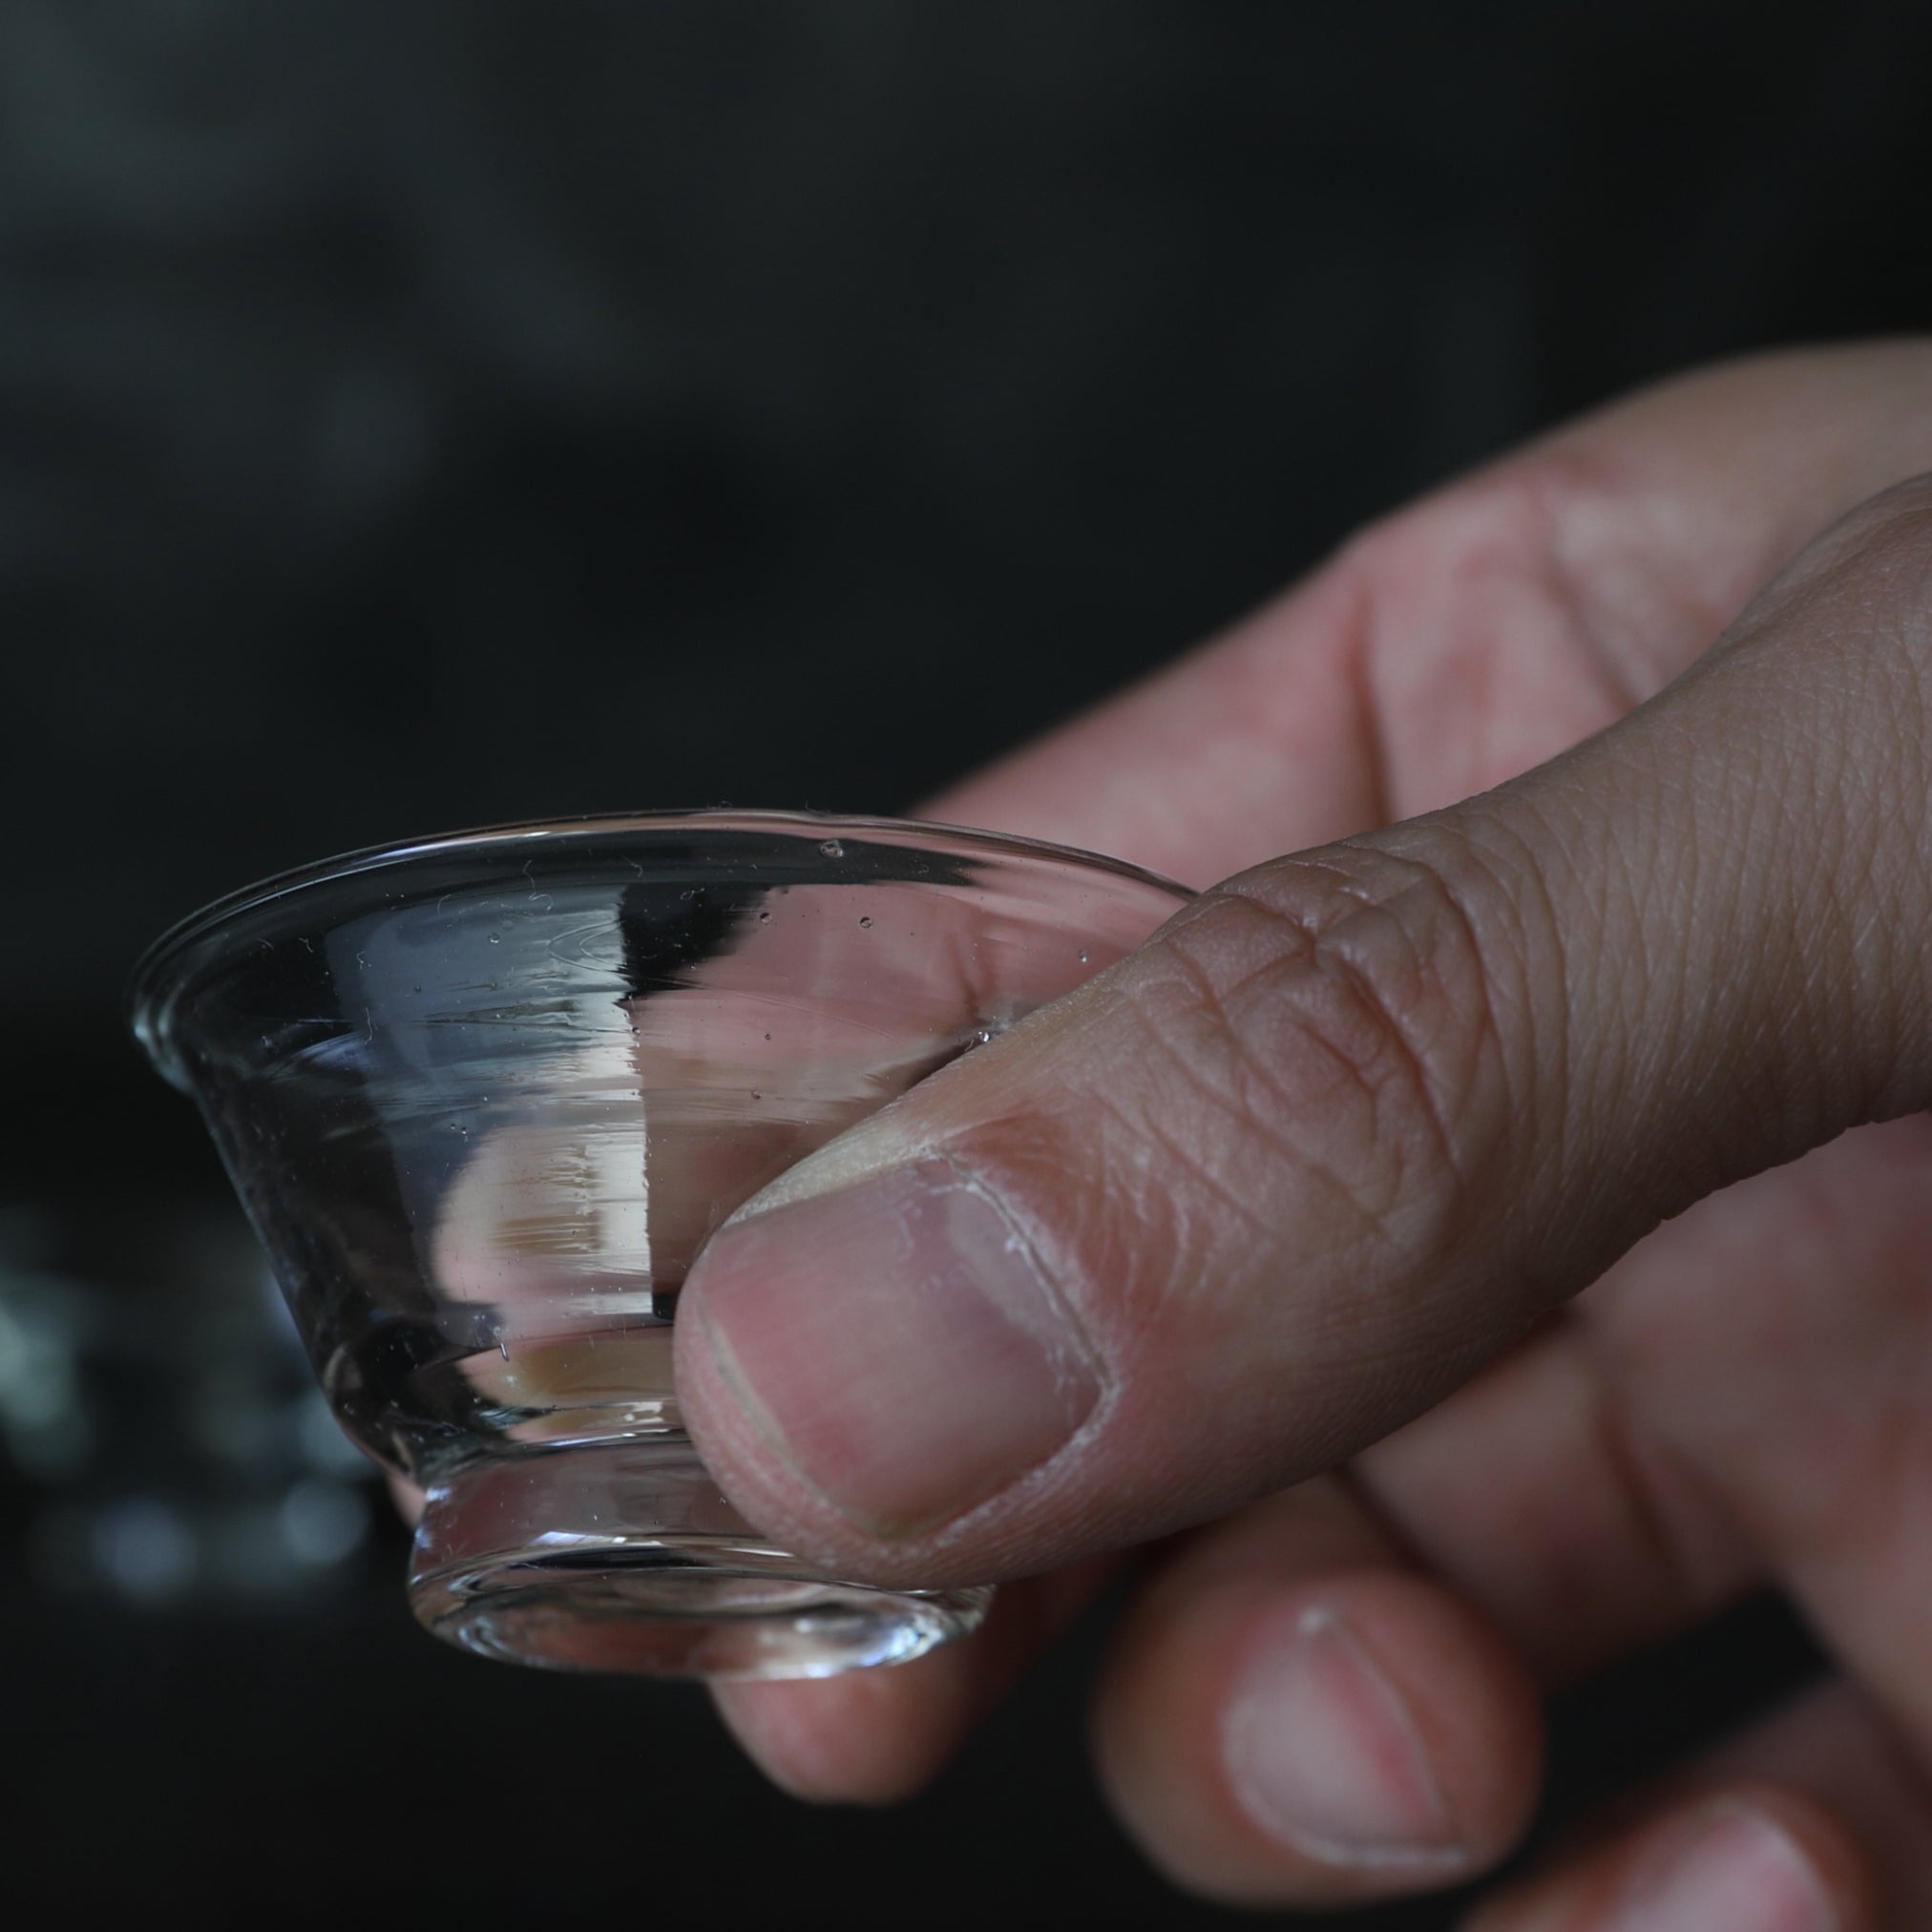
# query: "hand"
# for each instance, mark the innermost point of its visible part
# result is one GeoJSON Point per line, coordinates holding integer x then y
{"type": "Point", "coordinates": [1325, 1219]}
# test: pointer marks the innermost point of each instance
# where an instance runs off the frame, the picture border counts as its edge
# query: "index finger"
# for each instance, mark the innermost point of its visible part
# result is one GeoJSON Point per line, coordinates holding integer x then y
{"type": "Point", "coordinates": [1492, 626]}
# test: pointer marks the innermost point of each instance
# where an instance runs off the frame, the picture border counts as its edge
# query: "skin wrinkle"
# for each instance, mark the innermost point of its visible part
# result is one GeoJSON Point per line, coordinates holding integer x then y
{"type": "Point", "coordinates": [1545, 1131]}
{"type": "Point", "coordinates": [1333, 1181]}
{"type": "Point", "coordinates": [1505, 905]}
{"type": "Point", "coordinates": [1566, 1052]}
{"type": "Point", "coordinates": [1174, 1288]}
{"type": "Point", "coordinates": [1369, 1350]}
{"type": "Point", "coordinates": [1908, 719]}
{"type": "Point", "coordinates": [1720, 1097]}
{"type": "Point", "coordinates": [1416, 872]}
{"type": "Point", "coordinates": [1438, 895]}
{"type": "Point", "coordinates": [1193, 1169]}
{"type": "Point", "coordinates": [1329, 957]}
{"type": "Point", "coordinates": [1855, 884]}
{"type": "Point", "coordinates": [1411, 1064]}
{"type": "Point", "coordinates": [1676, 1009]}
{"type": "Point", "coordinates": [1811, 971]}
{"type": "Point", "coordinates": [1251, 1123]}
{"type": "Point", "coordinates": [1891, 541]}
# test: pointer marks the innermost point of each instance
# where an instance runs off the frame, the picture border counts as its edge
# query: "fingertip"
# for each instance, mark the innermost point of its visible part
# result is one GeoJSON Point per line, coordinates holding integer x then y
{"type": "Point", "coordinates": [838, 1741]}
{"type": "Point", "coordinates": [1755, 1855]}
{"type": "Point", "coordinates": [879, 1736]}
{"type": "Point", "coordinates": [1347, 1736]}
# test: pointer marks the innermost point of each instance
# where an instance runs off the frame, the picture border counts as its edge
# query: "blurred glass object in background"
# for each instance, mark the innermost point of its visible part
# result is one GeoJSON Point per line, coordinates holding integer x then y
{"type": "Point", "coordinates": [162, 1438]}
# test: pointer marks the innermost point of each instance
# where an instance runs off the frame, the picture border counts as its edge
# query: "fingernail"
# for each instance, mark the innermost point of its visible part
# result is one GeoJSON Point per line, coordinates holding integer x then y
{"type": "Point", "coordinates": [1738, 1869]}
{"type": "Point", "coordinates": [898, 1343]}
{"type": "Point", "coordinates": [1324, 1755]}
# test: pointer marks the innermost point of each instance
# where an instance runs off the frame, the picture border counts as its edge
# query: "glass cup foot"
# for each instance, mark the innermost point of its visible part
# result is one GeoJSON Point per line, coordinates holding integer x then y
{"type": "Point", "coordinates": [625, 1557]}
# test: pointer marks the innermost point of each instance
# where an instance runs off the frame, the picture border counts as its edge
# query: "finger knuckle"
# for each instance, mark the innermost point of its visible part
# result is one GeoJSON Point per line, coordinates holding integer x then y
{"type": "Point", "coordinates": [1342, 1009]}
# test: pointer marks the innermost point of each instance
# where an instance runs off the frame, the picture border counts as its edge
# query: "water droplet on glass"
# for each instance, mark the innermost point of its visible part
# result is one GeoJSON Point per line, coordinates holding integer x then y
{"type": "Point", "coordinates": [495, 938]}
{"type": "Point", "coordinates": [765, 915]}
{"type": "Point", "coordinates": [1082, 956]}
{"type": "Point", "coordinates": [982, 1036]}
{"type": "Point", "coordinates": [865, 922]}
{"type": "Point", "coordinates": [833, 849]}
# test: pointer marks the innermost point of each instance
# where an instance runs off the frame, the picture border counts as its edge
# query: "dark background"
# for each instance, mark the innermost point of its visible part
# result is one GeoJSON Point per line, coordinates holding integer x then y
{"type": "Point", "coordinates": [420, 413]}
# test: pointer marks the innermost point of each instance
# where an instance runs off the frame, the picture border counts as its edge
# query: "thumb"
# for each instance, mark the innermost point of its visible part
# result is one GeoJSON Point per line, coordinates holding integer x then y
{"type": "Point", "coordinates": [1350, 1121]}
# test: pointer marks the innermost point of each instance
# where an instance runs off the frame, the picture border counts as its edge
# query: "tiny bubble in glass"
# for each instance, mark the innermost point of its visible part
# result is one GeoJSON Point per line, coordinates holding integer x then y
{"type": "Point", "coordinates": [485, 1096]}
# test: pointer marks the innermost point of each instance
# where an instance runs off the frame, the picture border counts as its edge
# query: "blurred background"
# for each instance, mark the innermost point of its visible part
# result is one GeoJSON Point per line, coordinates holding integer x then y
{"type": "Point", "coordinates": [423, 414]}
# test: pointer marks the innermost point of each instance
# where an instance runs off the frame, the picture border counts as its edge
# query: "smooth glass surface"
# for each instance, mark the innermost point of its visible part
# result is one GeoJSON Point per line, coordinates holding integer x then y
{"type": "Point", "coordinates": [484, 1098]}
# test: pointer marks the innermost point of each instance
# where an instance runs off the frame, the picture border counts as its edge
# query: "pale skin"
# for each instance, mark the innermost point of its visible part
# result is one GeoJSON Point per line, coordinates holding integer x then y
{"type": "Point", "coordinates": [1342, 1198]}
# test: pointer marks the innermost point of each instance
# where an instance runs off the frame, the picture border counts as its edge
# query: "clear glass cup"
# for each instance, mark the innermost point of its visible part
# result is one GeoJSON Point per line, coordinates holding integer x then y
{"type": "Point", "coordinates": [484, 1098]}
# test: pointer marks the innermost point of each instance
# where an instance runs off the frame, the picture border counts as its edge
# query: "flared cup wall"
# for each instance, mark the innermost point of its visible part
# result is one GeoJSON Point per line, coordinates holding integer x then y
{"type": "Point", "coordinates": [484, 1098]}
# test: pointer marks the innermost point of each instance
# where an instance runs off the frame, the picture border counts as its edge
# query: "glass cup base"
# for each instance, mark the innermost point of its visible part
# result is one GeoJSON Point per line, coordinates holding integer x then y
{"type": "Point", "coordinates": [658, 1575]}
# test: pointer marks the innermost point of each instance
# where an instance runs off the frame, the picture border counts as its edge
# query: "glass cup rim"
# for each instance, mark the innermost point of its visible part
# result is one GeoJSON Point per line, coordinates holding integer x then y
{"type": "Point", "coordinates": [148, 983]}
